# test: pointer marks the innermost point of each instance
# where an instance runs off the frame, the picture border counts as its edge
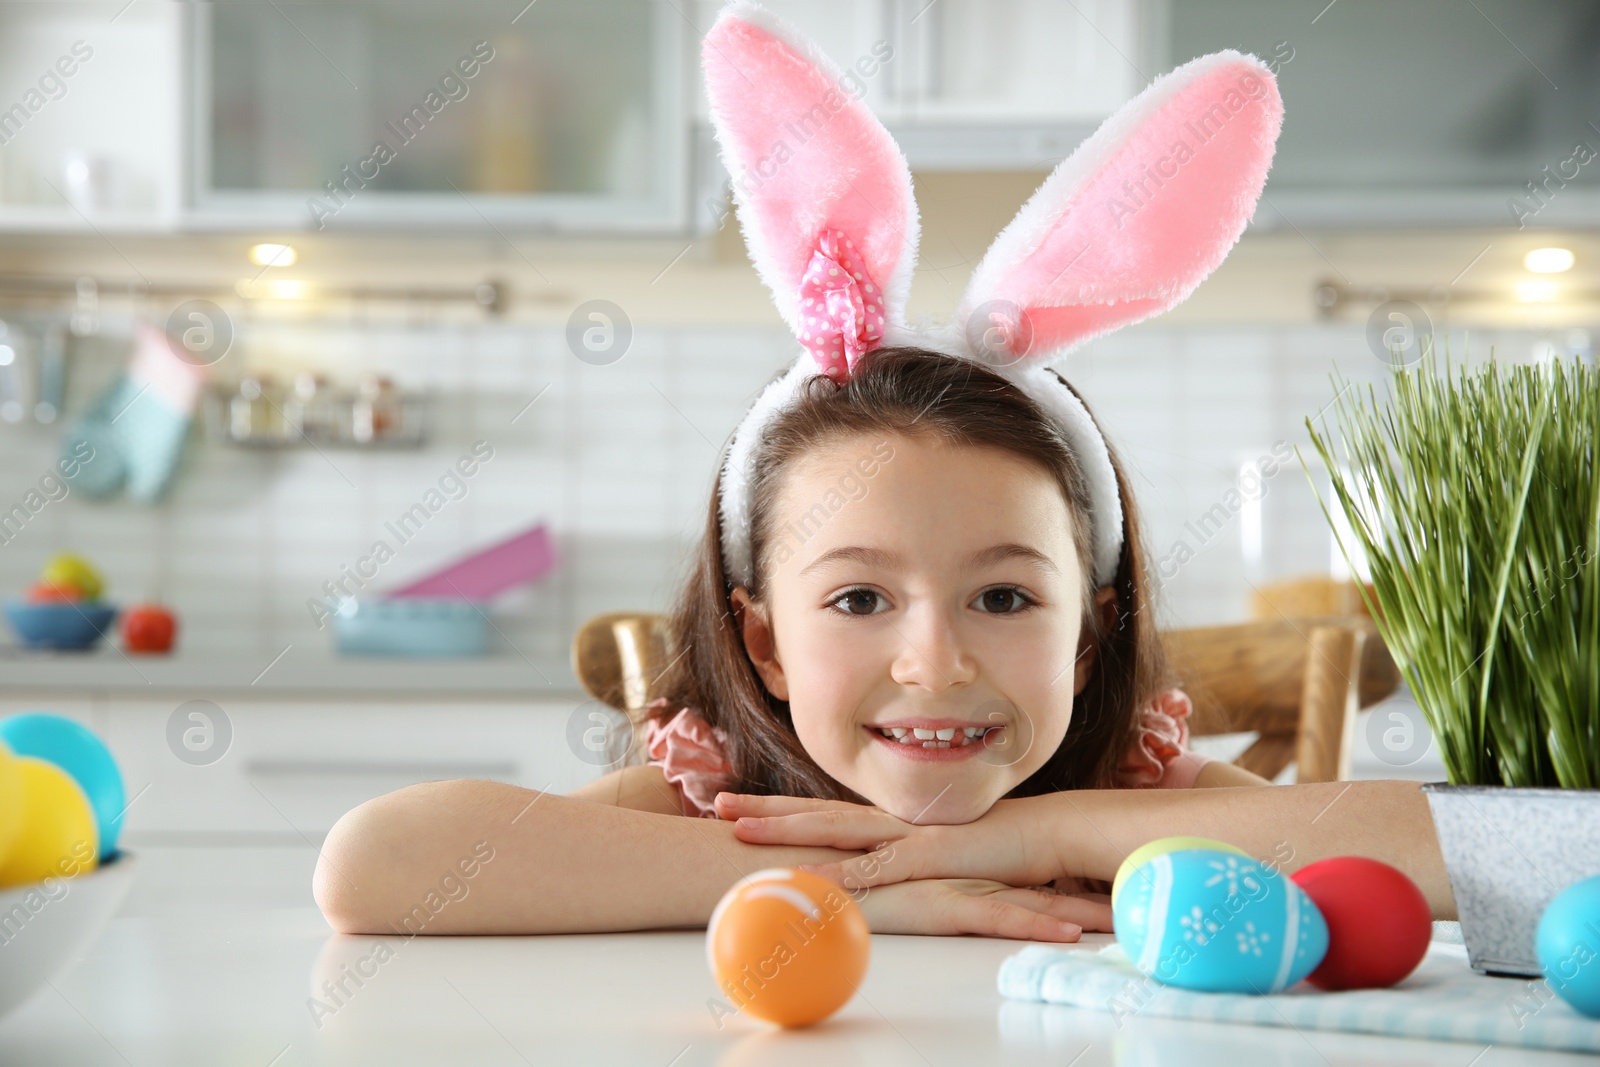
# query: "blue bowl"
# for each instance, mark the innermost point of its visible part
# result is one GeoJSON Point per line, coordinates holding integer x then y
{"type": "Point", "coordinates": [60, 624]}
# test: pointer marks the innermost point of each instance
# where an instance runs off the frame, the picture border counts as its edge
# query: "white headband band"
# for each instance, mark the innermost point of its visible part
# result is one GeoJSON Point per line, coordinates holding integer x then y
{"type": "Point", "coordinates": [1060, 405]}
{"type": "Point", "coordinates": [1124, 228]}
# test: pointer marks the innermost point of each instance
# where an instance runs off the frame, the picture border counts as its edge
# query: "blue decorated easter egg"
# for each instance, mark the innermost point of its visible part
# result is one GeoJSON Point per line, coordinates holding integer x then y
{"type": "Point", "coordinates": [1216, 922]}
{"type": "Point", "coordinates": [1568, 945]}
{"type": "Point", "coordinates": [1148, 851]}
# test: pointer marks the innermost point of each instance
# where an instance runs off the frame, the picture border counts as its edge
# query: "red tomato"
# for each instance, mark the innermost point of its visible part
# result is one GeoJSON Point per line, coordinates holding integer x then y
{"type": "Point", "coordinates": [1379, 923]}
{"type": "Point", "coordinates": [148, 628]}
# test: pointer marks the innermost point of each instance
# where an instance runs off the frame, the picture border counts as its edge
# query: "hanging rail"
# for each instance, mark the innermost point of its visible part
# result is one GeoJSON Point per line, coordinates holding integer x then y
{"type": "Point", "coordinates": [491, 295]}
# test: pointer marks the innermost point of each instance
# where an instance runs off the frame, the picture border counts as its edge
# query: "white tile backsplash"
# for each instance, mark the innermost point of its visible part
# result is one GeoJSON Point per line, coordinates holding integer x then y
{"type": "Point", "coordinates": [619, 460]}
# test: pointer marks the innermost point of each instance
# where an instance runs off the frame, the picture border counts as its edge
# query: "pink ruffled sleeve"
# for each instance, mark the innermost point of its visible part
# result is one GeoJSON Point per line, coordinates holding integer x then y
{"type": "Point", "coordinates": [689, 752]}
{"type": "Point", "coordinates": [1160, 757]}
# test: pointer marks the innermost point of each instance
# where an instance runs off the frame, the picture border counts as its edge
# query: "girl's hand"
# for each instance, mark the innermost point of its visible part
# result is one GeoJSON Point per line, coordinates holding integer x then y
{"type": "Point", "coordinates": [944, 906]}
{"type": "Point", "coordinates": [1002, 845]}
{"type": "Point", "coordinates": [781, 820]}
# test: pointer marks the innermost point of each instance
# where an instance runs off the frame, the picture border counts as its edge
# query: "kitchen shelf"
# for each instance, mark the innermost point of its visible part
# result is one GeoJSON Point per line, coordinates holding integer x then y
{"type": "Point", "coordinates": [301, 671]}
{"type": "Point", "coordinates": [341, 423]}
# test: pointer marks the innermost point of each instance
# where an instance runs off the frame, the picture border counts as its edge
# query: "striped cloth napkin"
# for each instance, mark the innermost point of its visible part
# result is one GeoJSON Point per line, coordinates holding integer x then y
{"type": "Point", "coordinates": [1443, 1000]}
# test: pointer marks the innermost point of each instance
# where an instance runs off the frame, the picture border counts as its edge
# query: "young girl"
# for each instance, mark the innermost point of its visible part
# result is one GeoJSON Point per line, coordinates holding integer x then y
{"type": "Point", "coordinates": [919, 623]}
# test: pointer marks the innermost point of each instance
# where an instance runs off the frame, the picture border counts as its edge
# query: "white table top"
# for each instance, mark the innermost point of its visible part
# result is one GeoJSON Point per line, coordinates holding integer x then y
{"type": "Point", "coordinates": [219, 951]}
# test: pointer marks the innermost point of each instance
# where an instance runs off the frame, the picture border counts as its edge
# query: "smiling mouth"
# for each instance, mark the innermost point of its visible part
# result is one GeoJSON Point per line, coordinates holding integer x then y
{"type": "Point", "coordinates": [946, 737]}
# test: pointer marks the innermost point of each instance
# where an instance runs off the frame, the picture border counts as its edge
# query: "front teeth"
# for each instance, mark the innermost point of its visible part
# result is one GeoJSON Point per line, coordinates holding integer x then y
{"type": "Point", "coordinates": [941, 738]}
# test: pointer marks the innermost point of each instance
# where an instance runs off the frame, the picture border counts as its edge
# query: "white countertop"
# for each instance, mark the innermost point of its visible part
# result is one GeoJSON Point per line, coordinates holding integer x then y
{"type": "Point", "coordinates": [218, 951]}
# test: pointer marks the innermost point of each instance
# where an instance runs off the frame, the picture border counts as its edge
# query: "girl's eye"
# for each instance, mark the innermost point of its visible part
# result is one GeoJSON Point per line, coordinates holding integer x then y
{"type": "Point", "coordinates": [852, 598]}
{"type": "Point", "coordinates": [1002, 597]}
{"type": "Point", "coordinates": [1001, 600]}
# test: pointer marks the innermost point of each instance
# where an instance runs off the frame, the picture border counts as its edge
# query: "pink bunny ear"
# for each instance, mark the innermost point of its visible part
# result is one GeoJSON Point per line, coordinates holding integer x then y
{"type": "Point", "coordinates": [824, 194]}
{"type": "Point", "coordinates": [1130, 223]}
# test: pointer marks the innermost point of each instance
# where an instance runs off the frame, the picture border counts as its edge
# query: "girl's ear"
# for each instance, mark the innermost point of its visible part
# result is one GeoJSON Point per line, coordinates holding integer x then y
{"type": "Point", "coordinates": [1131, 222]}
{"type": "Point", "coordinates": [1104, 605]}
{"type": "Point", "coordinates": [759, 643]}
{"type": "Point", "coordinates": [815, 174]}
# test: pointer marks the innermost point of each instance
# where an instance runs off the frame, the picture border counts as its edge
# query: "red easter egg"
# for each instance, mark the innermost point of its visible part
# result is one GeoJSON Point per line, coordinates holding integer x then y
{"type": "Point", "coordinates": [1379, 923]}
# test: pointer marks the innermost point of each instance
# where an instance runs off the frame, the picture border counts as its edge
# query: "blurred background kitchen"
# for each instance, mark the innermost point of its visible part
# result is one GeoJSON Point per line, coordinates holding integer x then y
{"type": "Point", "coordinates": [309, 278]}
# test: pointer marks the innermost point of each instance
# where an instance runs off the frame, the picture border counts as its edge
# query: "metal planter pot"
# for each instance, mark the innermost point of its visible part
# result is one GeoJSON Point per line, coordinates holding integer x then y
{"type": "Point", "coordinates": [1509, 852]}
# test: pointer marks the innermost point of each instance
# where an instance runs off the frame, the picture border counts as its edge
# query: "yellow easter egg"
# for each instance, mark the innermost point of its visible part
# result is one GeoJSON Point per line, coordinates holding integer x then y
{"type": "Point", "coordinates": [1160, 847]}
{"type": "Point", "coordinates": [10, 801]}
{"type": "Point", "coordinates": [58, 836]}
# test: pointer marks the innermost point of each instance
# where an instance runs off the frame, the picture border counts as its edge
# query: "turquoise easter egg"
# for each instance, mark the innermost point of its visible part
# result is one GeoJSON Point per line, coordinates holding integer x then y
{"type": "Point", "coordinates": [76, 750]}
{"type": "Point", "coordinates": [1217, 922]}
{"type": "Point", "coordinates": [1568, 945]}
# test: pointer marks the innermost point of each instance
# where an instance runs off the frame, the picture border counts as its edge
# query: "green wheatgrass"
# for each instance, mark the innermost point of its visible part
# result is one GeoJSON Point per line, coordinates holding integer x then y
{"type": "Point", "coordinates": [1476, 498]}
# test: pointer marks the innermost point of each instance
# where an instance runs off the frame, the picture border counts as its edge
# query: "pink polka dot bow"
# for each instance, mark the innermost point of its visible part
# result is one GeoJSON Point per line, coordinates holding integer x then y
{"type": "Point", "coordinates": [841, 307]}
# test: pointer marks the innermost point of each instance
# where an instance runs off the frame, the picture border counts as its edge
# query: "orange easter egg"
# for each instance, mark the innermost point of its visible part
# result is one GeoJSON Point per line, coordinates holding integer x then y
{"type": "Point", "coordinates": [788, 946]}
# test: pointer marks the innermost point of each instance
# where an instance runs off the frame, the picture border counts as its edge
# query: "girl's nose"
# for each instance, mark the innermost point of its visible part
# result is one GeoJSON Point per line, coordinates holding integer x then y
{"type": "Point", "coordinates": [932, 654]}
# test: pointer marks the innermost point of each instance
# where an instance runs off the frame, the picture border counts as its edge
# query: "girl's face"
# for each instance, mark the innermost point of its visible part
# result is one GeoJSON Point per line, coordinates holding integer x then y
{"type": "Point", "coordinates": [922, 620]}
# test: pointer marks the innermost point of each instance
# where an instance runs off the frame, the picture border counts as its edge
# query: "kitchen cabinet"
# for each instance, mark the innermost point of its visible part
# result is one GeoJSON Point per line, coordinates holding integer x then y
{"type": "Point", "coordinates": [589, 118]}
{"type": "Point", "coordinates": [560, 116]}
{"type": "Point", "coordinates": [294, 768]}
{"type": "Point", "coordinates": [287, 768]}
{"type": "Point", "coordinates": [979, 61]}
{"type": "Point", "coordinates": [979, 84]}
{"type": "Point", "coordinates": [1490, 124]}
{"type": "Point", "coordinates": [90, 99]}
{"type": "Point", "coordinates": [566, 115]}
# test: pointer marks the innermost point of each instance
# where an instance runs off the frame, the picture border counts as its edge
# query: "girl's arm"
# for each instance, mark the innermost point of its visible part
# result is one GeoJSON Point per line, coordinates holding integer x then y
{"type": "Point", "coordinates": [1087, 833]}
{"type": "Point", "coordinates": [1222, 773]}
{"type": "Point", "coordinates": [539, 862]}
{"type": "Point", "coordinates": [482, 857]}
{"type": "Point", "coordinates": [1285, 826]}
{"type": "Point", "coordinates": [641, 787]}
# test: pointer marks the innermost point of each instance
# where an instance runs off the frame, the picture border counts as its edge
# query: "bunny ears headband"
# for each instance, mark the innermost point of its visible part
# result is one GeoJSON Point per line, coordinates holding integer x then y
{"type": "Point", "coordinates": [1124, 228]}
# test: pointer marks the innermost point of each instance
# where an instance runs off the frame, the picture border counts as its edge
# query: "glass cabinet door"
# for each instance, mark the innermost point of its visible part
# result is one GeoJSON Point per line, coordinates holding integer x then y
{"type": "Point", "coordinates": [559, 114]}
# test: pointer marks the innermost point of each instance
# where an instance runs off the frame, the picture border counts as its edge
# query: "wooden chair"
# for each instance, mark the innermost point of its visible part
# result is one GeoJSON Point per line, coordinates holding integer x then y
{"type": "Point", "coordinates": [1295, 683]}
{"type": "Point", "coordinates": [1309, 595]}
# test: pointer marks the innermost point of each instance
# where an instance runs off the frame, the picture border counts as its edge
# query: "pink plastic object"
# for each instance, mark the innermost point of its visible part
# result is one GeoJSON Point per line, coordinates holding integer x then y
{"type": "Point", "coordinates": [486, 574]}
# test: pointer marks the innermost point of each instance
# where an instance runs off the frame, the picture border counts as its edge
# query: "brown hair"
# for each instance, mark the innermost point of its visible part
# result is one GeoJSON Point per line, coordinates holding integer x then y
{"type": "Point", "coordinates": [908, 392]}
